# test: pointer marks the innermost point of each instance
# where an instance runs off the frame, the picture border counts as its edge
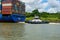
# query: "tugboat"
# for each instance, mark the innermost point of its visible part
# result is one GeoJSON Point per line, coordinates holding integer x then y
{"type": "Point", "coordinates": [36, 20]}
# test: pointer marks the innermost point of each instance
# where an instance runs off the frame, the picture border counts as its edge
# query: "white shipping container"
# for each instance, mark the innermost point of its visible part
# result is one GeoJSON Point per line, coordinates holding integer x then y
{"type": "Point", "coordinates": [7, 4]}
{"type": "Point", "coordinates": [0, 2]}
{"type": "Point", "coordinates": [0, 11]}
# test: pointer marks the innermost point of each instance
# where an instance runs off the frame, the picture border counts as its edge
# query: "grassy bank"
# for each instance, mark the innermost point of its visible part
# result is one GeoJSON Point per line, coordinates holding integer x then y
{"type": "Point", "coordinates": [51, 17]}
{"type": "Point", "coordinates": [47, 19]}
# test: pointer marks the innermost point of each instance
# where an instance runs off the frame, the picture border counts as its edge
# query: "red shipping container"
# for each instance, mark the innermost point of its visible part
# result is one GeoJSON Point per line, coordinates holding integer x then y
{"type": "Point", "coordinates": [4, 12]}
{"type": "Point", "coordinates": [7, 9]}
{"type": "Point", "coordinates": [5, 2]}
{"type": "Point", "coordinates": [10, 7]}
{"type": "Point", "coordinates": [9, 0]}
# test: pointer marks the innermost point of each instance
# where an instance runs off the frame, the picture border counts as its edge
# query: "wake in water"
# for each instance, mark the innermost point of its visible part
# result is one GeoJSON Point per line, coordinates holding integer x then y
{"type": "Point", "coordinates": [54, 23]}
{"type": "Point", "coordinates": [48, 23]}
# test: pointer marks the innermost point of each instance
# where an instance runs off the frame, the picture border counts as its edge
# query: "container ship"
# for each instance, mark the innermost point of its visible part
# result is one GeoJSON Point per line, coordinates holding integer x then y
{"type": "Point", "coordinates": [12, 11]}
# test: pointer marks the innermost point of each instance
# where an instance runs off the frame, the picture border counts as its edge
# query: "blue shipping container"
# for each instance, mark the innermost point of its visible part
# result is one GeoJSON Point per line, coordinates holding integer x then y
{"type": "Point", "coordinates": [0, 7]}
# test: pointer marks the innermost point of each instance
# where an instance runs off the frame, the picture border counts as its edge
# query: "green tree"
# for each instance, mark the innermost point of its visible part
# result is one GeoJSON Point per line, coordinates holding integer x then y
{"type": "Point", "coordinates": [44, 14]}
{"type": "Point", "coordinates": [35, 12]}
{"type": "Point", "coordinates": [28, 14]}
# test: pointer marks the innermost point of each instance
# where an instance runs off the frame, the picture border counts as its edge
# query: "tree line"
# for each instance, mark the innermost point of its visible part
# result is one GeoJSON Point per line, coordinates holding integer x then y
{"type": "Point", "coordinates": [42, 14]}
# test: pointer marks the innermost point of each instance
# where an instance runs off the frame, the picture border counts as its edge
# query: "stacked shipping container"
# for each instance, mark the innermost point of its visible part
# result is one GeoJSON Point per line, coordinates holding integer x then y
{"type": "Point", "coordinates": [0, 6]}
{"type": "Point", "coordinates": [18, 7]}
{"type": "Point", "coordinates": [22, 7]}
{"type": "Point", "coordinates": [13, 6]}
{"type": "Point", "coordinates": [6, 7]}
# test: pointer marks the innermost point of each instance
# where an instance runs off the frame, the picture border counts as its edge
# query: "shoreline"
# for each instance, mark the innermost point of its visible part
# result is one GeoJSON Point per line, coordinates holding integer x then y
{"type": "Point", "coordinates": [48, 23]}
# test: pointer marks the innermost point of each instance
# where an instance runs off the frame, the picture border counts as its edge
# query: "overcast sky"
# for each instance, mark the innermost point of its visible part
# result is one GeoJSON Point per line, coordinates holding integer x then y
{"type": "Point", "coordinates": [51, 6]}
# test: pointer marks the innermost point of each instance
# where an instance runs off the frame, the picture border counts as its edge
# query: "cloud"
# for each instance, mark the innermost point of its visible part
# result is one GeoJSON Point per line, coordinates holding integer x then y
{"type": "Point", "coordinates": [27, 1]}
{"type": "Point", "coordinates": [37, 5]}
{"type": "Point", "coordinates": [33, 5]}
{"type": "Point", "coordinates": [42, 5]}
{"type": "Point", "coordinates": [28, 8]}
{"type": "Point", "coordinates": [52, 10]}
{"type": "Point", "coordinates": [54, 4]}
{"type": "Point", "coordinates": [42, 10]}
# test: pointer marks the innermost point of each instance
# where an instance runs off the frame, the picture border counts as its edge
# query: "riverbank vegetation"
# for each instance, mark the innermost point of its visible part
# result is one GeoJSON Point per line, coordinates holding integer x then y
{"type": "Point", "coordinates": [51, 17]}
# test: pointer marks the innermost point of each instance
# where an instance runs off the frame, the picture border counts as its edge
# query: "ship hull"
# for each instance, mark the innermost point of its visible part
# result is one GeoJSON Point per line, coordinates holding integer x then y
{"type": "Point", "coordinates": [12, 18]}
{"type": "Point", "coordinates": [42, 22]}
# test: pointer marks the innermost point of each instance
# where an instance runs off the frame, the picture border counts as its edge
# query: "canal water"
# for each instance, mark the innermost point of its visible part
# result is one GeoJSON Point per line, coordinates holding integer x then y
{"type": "Point", "coordinates": [19, 31]}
